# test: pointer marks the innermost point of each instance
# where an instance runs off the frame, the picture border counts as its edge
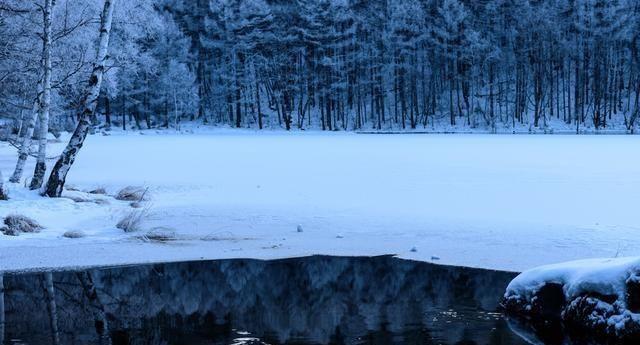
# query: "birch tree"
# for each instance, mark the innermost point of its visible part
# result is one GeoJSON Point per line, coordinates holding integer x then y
{"type": "Point", "coordinates": [24, 146]}
{"type": "Point", "coordinates": [45, 100]}
{"type": "Point", "coordinates": [59, 172]}
{"type": "Point", "coordinates": [41, 106]}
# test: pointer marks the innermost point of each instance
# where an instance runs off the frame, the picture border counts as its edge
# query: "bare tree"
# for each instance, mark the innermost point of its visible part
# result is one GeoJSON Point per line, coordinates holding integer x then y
{"type": "Point", "coordinates": [41, 106]}
{"type": "Point", "coordinates": [24, 145]}
{"type": "Point", "coordinates": [45, 100]}
{"type": "Point", "coordinates": [58, 175]}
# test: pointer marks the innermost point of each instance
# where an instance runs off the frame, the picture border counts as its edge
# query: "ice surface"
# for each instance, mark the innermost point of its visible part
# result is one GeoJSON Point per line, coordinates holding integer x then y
{"type": "Point", "coordinates": [502, 202]}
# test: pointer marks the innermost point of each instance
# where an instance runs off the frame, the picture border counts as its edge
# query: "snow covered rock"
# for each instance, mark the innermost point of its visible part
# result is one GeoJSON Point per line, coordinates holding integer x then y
{"type": "Point", "coordinates": [598, 297]}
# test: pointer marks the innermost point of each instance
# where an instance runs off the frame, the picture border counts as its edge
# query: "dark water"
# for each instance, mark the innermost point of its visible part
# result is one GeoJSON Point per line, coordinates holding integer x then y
{"type": "Point", "coordinates": [314, 300]}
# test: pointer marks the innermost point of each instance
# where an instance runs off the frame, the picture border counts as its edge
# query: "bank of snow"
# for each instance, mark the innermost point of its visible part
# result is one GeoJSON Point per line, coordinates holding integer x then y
{"type": "Point", "coordinates": [502, 202]}
{"type": "Point", "coordinates": [597, 297]}
{"type": "Point", "coordinates": [607, 277]}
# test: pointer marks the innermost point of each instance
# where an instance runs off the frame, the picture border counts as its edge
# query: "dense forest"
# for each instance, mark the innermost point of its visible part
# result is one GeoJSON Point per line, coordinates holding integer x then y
{"type": "Point", "coordinates": [493, 65]}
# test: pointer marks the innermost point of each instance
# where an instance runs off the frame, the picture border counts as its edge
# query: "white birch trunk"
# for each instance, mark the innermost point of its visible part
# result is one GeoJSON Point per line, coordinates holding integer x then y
{"type": "Point", "coordinates": [45, 100]}
{"type": "Point", "coordinates": [24, 145]}
{"type": "Point", "coordinates": [56, 181]}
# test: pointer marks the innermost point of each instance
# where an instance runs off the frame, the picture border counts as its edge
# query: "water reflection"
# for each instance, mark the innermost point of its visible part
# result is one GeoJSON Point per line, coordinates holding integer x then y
{"type": "Point", "coordinates": [314, 300]}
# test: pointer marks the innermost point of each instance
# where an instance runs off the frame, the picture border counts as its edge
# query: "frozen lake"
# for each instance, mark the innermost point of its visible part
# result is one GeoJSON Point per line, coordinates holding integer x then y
{"type": "Point", "coordinates": [503, 202]}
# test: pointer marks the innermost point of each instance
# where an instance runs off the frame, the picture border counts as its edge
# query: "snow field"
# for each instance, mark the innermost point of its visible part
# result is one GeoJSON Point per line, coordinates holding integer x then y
{"type": "Point", "coordinates": [499, 202]}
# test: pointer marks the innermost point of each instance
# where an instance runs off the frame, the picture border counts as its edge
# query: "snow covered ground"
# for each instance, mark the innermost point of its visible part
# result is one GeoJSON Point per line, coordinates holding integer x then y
{"type": "Point", "coordinates": [501, 202]}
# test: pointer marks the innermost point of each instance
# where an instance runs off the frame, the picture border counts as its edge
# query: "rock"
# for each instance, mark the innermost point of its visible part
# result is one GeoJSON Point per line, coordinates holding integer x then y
{"type": "Point", "coordinates": [590, 315]}
{"type": "Point", "coordinates": [299, 228]}
{"type": "Point", "coordinates": [633, 293]}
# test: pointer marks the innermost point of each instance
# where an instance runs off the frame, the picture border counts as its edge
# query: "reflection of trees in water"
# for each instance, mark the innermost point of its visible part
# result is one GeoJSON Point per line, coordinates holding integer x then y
{"type": "Point", "coordinates": [322, 299]}
{"type": "Point", "coordinates": [2, 320]}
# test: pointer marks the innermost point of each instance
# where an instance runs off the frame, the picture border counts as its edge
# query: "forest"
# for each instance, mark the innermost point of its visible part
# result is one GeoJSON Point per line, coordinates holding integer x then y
{"type": "Point", "coordinates": [449, 65]}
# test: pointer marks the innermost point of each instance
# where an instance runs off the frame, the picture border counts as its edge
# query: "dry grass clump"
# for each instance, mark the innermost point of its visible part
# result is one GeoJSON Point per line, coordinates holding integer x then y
{"type": "Point", "coordinates": [159, 234]}
{"type": "Point", "coordinates": [81, 197]}
{"type": "Point", "coordinates": [99, 190]}
{"type": "Point", "coordinates": [71, 188]}
{"type": "Point", "coordinates": [15, 224]}
{"type": "Point", "coordinates": [132, 221]}
{"type": "Point", "coordinates": [132, 193]}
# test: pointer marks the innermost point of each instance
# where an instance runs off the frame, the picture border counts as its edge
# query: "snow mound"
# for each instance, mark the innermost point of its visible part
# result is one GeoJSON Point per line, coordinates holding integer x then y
{"type": "Point", "coordinates": [603, 276]}
{"type": "Point", "coordinates": [598, 296]}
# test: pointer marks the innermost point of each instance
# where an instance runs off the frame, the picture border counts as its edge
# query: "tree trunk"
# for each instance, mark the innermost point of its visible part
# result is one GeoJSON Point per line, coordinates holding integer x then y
{"type": "Point", "coordinates": [3, 194]}
{"type": "Point", "coordinates": [25, 141]}
{"type": "Point", "coordinates": [45, 100]}
{"type": "Point", "coordinates": [107, 111]}
{"type": "Point", "coordinates": [124, 111]}
{"type": "Point", "coordinates": [60, 170]}
{"type": "Point", "coordinates": [258, 105]}
{"type": "Point", "coordinates": [50, 296]}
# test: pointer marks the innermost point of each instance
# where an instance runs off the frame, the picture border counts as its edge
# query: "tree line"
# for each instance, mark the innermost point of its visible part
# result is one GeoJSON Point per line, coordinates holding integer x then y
{"type": "Point", "coordinates": [331, 64]}
{"type": "Point", "coordinates": [407, 64]}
